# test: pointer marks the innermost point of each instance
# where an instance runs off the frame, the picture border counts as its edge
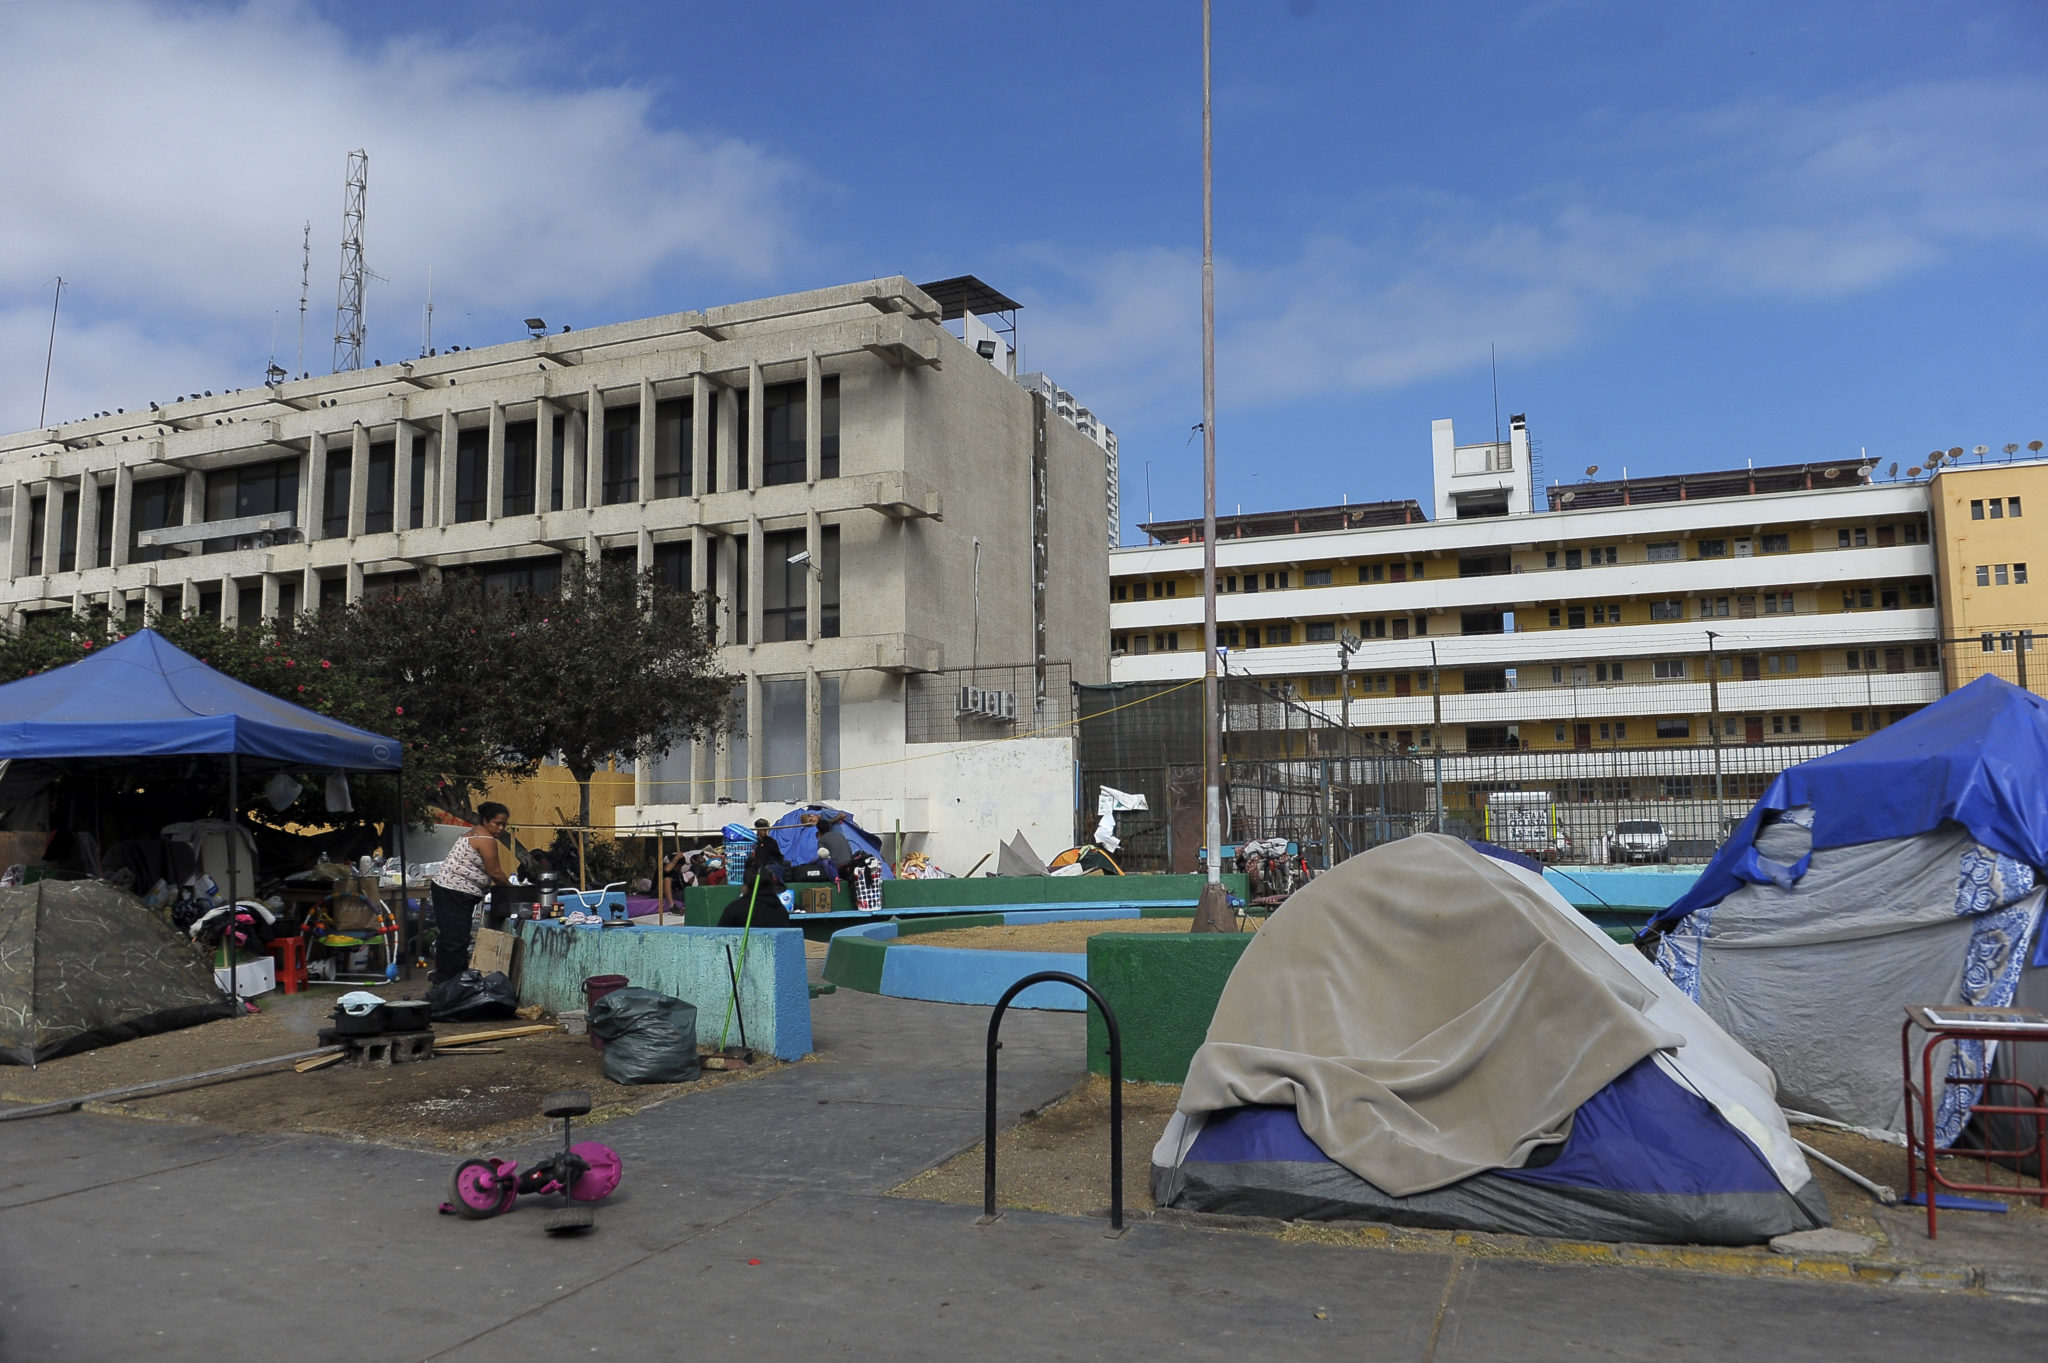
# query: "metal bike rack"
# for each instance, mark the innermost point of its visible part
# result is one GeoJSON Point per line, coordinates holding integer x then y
{"type": "Point", "coordinates": [1116, 1094]}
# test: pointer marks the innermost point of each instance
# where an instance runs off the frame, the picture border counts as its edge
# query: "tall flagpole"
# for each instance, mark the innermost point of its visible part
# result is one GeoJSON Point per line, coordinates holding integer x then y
{"type": "Point", "coordinates": [1213, 913]}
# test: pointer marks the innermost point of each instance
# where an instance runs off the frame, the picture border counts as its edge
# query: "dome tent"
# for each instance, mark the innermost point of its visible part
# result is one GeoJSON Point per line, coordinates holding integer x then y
{"type": "Point", "coordinates": [1904, 868]}
{"type": "Point", "coordinates": [1431, 1037]}
{"type": "Point", "coordinates": [83, 964]}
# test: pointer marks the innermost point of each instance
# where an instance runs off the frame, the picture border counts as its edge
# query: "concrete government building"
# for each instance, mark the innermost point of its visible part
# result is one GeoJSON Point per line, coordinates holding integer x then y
{"type": "Point", "coordinates": [1614, 650]}
{"type": "Point", "coordinates": [875, 502]}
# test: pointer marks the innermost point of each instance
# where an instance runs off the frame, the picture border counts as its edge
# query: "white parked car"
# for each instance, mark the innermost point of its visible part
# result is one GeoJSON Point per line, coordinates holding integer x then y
{"type": "Point", "coordinates": [1639, 840]}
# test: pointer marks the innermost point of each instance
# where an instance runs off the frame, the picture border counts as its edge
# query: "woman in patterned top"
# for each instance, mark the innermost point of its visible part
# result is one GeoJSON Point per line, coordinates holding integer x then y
{"type": "Point", "coordinates": [471, 867]}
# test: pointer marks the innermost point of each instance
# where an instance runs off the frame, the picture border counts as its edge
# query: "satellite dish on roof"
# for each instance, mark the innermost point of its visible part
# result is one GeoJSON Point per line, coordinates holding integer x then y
{"type": "Point", "coordinates": [2011, 448]}
{"type": "Point", "coordinates": [2034, 445]}
{"type": "Point", "coordinates": [1893, 471]}
{"type": "Point", "coordinates": [1568, 498]}
{"type": "Point", "coordinates": [1592, 469]}
{"type": "Point", "coordinates": [1955, 452]}
{"type": "Point", "coordinates": [1913, 472]}
{"type": "Point", "coordinates": [1832, 473]}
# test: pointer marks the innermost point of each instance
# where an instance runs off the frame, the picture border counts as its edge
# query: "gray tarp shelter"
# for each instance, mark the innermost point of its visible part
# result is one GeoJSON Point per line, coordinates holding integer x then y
{"type": "Point", "coordinates": [144, 697]}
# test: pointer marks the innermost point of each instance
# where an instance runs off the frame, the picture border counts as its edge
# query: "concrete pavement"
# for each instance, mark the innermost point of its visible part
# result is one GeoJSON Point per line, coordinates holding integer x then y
{"type": "Point", "coordinates": [123, 1239]}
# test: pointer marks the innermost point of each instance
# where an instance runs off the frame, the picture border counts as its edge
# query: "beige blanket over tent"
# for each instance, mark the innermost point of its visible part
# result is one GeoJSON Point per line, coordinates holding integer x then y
{"type": "Point", "coordinates": [1426, 1013]}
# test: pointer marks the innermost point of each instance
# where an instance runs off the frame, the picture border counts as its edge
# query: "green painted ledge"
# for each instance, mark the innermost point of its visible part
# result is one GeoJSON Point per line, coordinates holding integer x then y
{"type": "Point", "coordinates": [1164, 987]}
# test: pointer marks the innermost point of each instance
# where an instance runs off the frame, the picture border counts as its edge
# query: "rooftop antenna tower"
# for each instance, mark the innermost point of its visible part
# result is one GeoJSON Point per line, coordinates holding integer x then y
{"type": "Point", "coordinates": [427, 328]}
{"type": "Point", "coordinates": [305, 287]}
{"type": "Point", "coordinates": [348, 303]}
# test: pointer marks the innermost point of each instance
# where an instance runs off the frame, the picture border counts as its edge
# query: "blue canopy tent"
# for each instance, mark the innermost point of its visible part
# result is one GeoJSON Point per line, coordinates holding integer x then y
{"type": "Point", "coordinates": [145, 698]}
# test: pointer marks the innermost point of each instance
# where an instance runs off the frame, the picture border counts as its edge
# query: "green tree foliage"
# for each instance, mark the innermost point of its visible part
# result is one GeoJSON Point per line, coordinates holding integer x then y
{"type": "Point", "coordinates": [477, 685]}
{"type": "Point", "coordinates": [617, 666]}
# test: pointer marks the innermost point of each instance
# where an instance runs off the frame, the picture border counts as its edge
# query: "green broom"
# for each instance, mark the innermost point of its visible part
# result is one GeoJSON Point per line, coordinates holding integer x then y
{"type": "Point", "coordinates": [746, 934]}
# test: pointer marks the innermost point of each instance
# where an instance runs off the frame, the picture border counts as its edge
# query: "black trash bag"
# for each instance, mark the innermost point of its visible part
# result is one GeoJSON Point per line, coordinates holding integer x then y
{"type": "Point", "coordinates": [649, 1037]}
{"type": "Point", "coordinates": [473, 996]}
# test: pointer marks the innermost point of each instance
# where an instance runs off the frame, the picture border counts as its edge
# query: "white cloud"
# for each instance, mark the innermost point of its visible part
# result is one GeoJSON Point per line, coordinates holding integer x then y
{"type": "Point", "coordinates": [164, 161]}
{"type": "Point", "coordinates": [1760, 200]}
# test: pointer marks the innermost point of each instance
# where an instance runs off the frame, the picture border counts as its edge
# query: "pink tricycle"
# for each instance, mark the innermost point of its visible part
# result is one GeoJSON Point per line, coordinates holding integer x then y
{"type": "Point", "coordinates": [582, 1173]}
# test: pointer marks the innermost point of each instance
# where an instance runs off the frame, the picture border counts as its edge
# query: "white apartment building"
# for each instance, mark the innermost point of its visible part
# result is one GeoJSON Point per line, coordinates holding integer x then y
{"type": "Point", "coordinates": [1740, 609]}
{"type": "Point", "coordinates": [866, 503]}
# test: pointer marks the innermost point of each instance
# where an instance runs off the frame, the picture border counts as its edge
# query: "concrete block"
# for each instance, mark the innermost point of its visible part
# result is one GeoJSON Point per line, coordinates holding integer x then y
{"type": "Point", "coordinates": [1164, 987]}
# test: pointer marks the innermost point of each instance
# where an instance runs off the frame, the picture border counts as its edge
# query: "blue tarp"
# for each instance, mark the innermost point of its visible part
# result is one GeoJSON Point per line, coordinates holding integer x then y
{"type": "Point", "coordinates": [1977, 757]}
{"type": "Point", "coordinates": [799, 840]}
{"type": "Point", "coordinates": [144, 697]}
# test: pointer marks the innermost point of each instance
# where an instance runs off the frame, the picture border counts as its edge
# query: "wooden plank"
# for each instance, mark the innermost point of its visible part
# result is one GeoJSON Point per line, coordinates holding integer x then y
{"type": "Point", "coordinates": [319, 1062]}
{"type": "Point", "coordinates": [501, 1034]}
{"type": "Point", "coordinates": [164, 1085]}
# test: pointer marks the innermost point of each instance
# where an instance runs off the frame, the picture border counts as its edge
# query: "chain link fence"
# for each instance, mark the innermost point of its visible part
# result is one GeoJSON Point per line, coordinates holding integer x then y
{"type": "Point", "coordinates": [1289, 773]}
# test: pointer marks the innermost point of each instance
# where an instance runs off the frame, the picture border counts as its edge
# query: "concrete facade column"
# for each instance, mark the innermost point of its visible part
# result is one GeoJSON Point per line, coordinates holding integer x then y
{"type": "Point", "coordinates": [756, 580]}
{"type": "Point", "coordinates": [268, 607]}
{"type": "Point", "coordinates": [575, 436]}
{"type": "Point", "coordinates": [756, 428]}
{"type": "Point", "coordinates": [53, 524]}
{"type": "Point", "coordinates": [358, 479]}
{"type": "Point", "coordinates": [726, 451]}
{"type": "Point", "coordinates": [814, 419]}
{"type": "Point", "coordinates": [729, 620]}
{"type": "Point", "coordinates": [353, 590]}
{"type": "Point", "coordinates": [152, 602]}
{"type": "Point", "coordinates": [755, 738]}
{"type": "Point", "coordinates": [313, 495]}
{"type": "Point", "coordinates": [124, 515]}
{"type": "Point", "coordinates": [117, 608]}
{"type": "Point", "coordinates": [700, 435]}
{"type": "Point", "coordinates": [814, 736]}
{"type": "Point", "coordinates": [814, 577]}
{"type": "Point", "coordinates": [89, 522]}
{"type": "Point", "coordinates": [81, 605]}
{"type": "Point", "coordinates": [494, 465]}
{"type": "Point", "coordinates": [444, 469]}
{"type": "Point", "coordinates": [401, 477]}
{"type": "Point", "coordinates": [195, 498]}
{"type": "Point", "coordinates": [188, 597]}
{"type": "Point", "coordinates": [593, 450]}
{"type": "Point", "coordinates": [309, 590]}
{"type": "Point", "coordinates": [21, 524]}
{"type": "Point", "coordinates": [230, 602]}
{"type": "Point", "coordinates": [703, 755]}
{"type": "Point", "coordinates": [647, 409]}
{"type": "Point", "coordinates": [643, 550]}
{"type": "Point", "coordinates": [543, 456]}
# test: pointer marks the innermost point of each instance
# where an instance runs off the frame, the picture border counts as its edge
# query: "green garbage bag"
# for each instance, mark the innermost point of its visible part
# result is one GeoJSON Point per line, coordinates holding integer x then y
{"type": "Point", "coordinates": [649, 1037]}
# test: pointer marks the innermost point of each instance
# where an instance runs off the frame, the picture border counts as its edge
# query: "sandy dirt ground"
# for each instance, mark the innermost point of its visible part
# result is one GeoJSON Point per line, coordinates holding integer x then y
{"type": "Point", "coordinates": [458, 1101]}
{"type": "Point", "coordinates": [1071, 936]}
{"type": "Point", "coordinates": [1057, 1161]}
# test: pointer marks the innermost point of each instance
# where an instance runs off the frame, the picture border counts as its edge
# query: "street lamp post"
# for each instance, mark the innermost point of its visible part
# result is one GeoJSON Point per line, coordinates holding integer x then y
{"type": "Point", "coordinates": [1714, 723]}
{"type": "Point", "coordinates": [1346, 646]}
{"type": "Point", "coordinates": [1212, 913]}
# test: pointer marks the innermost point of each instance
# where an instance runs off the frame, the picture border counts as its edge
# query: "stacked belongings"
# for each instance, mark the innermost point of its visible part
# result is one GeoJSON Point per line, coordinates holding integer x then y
{"type": "Point", "coordinates": [1431, 1037]}
{"type": "Point", "coordinates": [1905, 868]}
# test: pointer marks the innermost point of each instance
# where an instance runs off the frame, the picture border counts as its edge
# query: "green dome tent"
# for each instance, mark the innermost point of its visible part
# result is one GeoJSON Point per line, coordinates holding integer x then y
{"type": "Point", "coordinates": [83, 964]}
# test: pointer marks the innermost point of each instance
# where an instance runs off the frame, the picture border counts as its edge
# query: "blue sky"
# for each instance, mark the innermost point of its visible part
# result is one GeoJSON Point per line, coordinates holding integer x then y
{"type": "Point", "coordinates": [1695, 235]}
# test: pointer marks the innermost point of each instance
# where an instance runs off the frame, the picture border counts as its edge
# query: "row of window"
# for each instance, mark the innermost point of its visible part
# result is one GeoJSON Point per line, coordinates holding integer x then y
{"type": "Point", "coordinates": [1993, 508]}
{"type": "Point", "coordinates": [273, 485]}
{"type": "Point", "coordinates": [1996, 575]}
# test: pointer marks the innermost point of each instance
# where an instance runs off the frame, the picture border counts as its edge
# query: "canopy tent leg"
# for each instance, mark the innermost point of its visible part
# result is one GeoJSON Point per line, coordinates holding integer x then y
{"type": "Point", "coordinates": [408, 948]}
{"type": "Point", "coordinates": [234, 899]}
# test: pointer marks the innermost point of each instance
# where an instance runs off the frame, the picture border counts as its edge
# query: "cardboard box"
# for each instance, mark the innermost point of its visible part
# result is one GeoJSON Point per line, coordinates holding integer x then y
{"type": "Point", "coordinates": [251, 977]}
{"type": "Point", "coordinates": [814, 899]}
{"type": "Point", "coordinates": [494, 950]}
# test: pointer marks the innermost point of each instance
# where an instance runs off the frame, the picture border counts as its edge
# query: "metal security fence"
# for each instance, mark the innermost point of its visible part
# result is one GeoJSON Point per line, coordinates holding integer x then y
{"type": "Point", "coordinates": [1288, 773]}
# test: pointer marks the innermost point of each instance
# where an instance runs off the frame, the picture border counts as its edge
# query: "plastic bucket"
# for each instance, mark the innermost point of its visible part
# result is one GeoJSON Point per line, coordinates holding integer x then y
{"type": "Point", "coordinates": [596, 987]}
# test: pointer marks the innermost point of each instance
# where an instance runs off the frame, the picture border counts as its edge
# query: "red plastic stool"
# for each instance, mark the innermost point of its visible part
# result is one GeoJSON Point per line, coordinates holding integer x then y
{"type": "Point", "coordinates": [291, 963]}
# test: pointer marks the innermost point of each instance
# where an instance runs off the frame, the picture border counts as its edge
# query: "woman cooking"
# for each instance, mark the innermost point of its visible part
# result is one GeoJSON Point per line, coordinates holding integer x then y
{"type": "Point", "coordinates": [472, 866]}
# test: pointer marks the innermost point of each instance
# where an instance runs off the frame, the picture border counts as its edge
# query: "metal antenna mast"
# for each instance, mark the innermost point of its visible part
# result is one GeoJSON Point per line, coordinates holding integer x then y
{"type": "Point", "coordinates": [348, 304]}
{"type": "Point", "coordinates": [305, 287]}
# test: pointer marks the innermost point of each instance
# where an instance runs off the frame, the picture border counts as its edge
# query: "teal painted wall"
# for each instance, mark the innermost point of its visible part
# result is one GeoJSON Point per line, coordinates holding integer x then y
{"type": "Point", "coordinates": [689, 963]}
{"type": "Point", "coordinates": [1164, 987]}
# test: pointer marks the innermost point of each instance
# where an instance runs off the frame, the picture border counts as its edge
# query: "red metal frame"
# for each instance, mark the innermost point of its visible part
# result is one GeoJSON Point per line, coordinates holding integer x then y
{"type": "Point", "coordinates": [1921, 1152]}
